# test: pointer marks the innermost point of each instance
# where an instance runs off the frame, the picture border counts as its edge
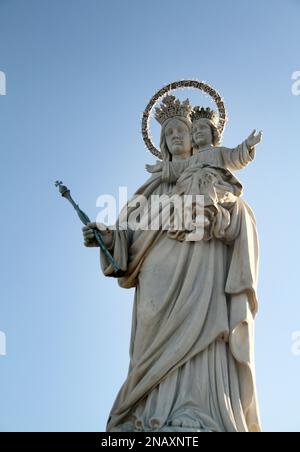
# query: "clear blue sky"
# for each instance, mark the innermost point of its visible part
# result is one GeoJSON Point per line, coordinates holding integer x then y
{"type": "Point", "coordinates": [79, 74]}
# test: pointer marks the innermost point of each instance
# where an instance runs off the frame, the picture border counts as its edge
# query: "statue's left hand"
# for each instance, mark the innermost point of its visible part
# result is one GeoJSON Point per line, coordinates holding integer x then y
{"type": "Point", "coordinates": [158, 166]}
{"type": "Point", "coordinates": [254, 139]}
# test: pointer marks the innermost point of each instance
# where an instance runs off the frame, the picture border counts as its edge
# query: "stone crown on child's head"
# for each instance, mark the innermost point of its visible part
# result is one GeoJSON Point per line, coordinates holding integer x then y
{"type": "Point", "coordinates": [171, 107]}
{"type": "Point", "coordinates": [204, 113]}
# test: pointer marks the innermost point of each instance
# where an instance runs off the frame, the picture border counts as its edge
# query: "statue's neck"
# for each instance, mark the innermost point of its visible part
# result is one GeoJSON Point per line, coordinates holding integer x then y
{"type": "Point", "coordinates": [200, 148]}
{"type": "Point", "coordinates": [180, 158]}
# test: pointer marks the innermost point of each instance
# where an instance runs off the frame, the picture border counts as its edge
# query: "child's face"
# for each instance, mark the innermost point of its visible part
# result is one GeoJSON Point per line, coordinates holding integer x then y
{"type": "Point", "coordinates": [202, 133]}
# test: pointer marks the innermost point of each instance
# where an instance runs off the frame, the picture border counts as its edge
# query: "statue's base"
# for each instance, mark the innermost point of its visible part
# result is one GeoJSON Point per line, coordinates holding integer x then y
{"type": "Point", "coordinates": [181, 430]}
{"type": "Point", "coordinates": [166, 429]}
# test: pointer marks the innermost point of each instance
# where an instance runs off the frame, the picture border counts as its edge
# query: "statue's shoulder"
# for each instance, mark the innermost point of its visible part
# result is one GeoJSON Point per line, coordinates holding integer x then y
{"type": "Point", "coordinates": [219, 149]}
{"type": "Point", "coordinates": [149, 185]}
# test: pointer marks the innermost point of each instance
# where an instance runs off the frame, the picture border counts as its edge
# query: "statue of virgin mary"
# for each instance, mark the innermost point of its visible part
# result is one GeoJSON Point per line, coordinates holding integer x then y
{"type": "Point", "coordinates": [191, 348]}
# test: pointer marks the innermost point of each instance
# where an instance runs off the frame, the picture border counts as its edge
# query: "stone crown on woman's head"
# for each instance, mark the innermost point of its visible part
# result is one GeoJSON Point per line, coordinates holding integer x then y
{"type": "Point", "coordinates": [171, 107]}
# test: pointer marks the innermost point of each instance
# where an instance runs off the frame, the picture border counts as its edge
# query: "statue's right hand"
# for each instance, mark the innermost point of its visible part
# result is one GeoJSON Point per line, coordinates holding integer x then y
{"type": "Point", "coordinates": [89, 235]}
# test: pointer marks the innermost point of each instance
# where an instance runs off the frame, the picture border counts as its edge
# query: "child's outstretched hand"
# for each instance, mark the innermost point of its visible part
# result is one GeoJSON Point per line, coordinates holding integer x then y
{"type": "Point", "coordinates": [254, 139]}
{"type": "Point", "coordinates": [158, 166]}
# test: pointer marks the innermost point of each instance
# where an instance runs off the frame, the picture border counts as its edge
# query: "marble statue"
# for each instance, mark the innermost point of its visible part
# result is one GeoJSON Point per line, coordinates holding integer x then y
{"type": "Point", "coordinates": [192, 346]}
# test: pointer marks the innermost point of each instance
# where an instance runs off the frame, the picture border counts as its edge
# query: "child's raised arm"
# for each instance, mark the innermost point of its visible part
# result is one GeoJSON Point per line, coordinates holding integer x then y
{"type": "Point", "coordinates": [239, 157]}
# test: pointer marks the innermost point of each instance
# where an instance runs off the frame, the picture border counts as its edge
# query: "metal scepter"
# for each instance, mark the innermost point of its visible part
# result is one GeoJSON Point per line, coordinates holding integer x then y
{"type": "Point", "coordinates": [65, 193]}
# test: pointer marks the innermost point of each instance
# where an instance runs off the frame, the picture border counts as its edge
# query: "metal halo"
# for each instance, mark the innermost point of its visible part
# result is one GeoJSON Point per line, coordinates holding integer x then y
{"type": "Point", "coordinates": [202, 86]}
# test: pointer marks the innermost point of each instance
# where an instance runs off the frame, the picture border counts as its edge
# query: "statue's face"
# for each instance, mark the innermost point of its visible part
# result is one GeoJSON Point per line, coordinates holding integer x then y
{"type": "Point", "coordinates": [178, 138]}
{"type": "Point", "coordinates": [202, 133]}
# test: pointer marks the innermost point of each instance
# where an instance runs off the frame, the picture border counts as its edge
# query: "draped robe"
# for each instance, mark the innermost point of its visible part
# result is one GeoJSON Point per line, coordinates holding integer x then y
{"type": "Point", "coordinates": [191, 348]}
